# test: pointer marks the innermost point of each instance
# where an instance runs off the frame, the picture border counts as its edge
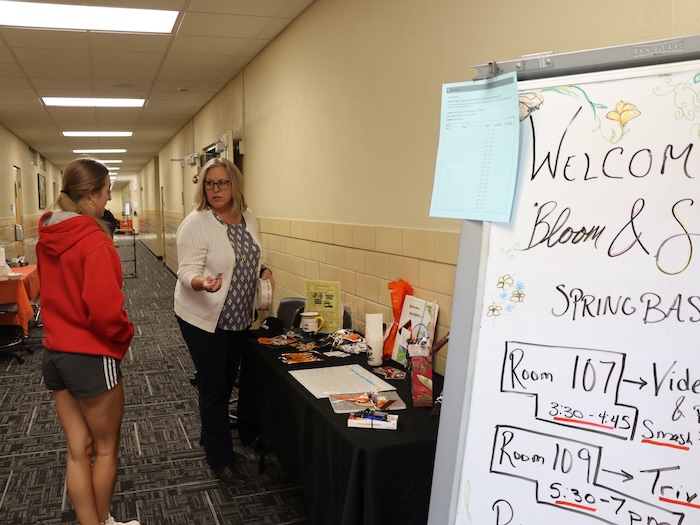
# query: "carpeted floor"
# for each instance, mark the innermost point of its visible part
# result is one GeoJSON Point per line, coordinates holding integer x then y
{"type": "Point", "coordinates": [163, 478]}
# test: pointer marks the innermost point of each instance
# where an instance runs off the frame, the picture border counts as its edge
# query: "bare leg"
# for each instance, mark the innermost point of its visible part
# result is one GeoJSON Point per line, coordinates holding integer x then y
{"type": "Point", "coordinates": [91, 425]}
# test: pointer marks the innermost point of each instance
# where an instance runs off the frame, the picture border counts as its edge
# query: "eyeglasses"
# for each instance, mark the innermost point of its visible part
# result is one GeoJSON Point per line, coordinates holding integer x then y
{"type": "Point", "coordinates": [221, 184]}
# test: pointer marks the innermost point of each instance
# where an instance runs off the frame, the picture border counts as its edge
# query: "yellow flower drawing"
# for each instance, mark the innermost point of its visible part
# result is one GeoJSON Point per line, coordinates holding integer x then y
{"type": "Point", "coordinates": [623, 113]}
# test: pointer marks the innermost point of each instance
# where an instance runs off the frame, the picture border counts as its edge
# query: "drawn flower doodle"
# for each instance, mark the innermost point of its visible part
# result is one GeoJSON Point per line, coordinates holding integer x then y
{"type": "Point", "coordinates": [509, 295]}
{"type": "Point", "coordinates": [518, 296]}
{"type": "Point", "coordinates": [622, 114]}
{"type": "Point", "coordinates": [505, 282]}
{"type": "Point", "coordinates": [493, 310]}
{"type": "Point", "coordinates": [686, 99]}
{"type": "Point", "coordinates": [528, 103]}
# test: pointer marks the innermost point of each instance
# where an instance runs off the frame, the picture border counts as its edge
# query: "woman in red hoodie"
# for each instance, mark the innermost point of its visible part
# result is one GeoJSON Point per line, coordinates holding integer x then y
{"type": "Point", "coordinates": [87, 335]}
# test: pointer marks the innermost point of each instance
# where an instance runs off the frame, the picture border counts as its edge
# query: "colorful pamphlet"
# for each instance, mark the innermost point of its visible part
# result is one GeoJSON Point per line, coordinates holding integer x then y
{"type": "Point", "coordinates": [346, 403]}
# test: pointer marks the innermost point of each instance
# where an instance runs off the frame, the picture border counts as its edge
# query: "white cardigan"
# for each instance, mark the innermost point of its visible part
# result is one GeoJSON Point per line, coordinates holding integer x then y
{"type": "Point", "coordinates": [203, 248]}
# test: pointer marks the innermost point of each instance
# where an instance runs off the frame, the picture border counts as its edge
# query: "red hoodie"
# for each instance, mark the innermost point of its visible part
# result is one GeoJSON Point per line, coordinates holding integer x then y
{"type": "Point", "coordinates": [82, 304]}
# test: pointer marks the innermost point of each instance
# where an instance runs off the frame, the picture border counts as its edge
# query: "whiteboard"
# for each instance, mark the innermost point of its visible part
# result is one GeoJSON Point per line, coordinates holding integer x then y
{"type": "Point", "coordinates": [585, 401]}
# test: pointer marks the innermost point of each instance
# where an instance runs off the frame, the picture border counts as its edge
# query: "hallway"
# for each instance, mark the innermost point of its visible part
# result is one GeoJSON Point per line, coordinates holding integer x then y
{"type": "Point", "coordinates": [163, 478]}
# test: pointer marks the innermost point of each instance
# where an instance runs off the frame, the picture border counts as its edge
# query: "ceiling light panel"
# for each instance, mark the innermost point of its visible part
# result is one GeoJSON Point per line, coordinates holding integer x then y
{"type": "Point", "coordinates": [113, 150]}
{"type": "Point", "coordinates": [94, 102]}
{"type": "Point", "coordinates": [89, 18]}
{"type": "Point", "coordinates": [97, 133]}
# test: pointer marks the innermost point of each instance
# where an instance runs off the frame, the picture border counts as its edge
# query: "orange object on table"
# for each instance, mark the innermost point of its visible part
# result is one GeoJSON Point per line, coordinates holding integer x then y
{"type": "Point", "coordinates": [21, 291]}
{"type": "Point", "coordinates": [126, 225]}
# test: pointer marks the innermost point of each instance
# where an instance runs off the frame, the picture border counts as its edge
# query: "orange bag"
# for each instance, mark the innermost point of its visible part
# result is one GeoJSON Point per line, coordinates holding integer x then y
{"type": "Point", "coordinates": [399, 290]}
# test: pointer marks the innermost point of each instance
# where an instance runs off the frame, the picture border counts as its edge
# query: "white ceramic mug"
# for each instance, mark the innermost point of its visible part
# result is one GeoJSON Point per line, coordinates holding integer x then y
{"type": "Point", "coordinates": [311, 322]}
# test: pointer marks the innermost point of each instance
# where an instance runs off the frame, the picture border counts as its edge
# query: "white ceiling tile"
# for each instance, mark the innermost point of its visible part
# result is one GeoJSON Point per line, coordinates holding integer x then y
{"type": "Point", "coordinates": [11, 70]}
{"type": "Point", "coordinates": [255, 47]}
{"type": "Point", "coordinates": [222, 25]}
{"type": "Point", "coordinates": [208, 45]}
{"type": "Point", "coordinates": [5, 56]}
{"type": "Point", "coordinates": [127, 59]}
{"type": "Point", "coordinates": [274, 28]}
{"type": "Point", "coordinates": [130, 87]}
{"type": "Point", "coordinates": [62, 84]}
{"type": "Point", "coordinates": [21, 82]}
{"type": "Point", "coordinates": [45, 38]}
{"type": "Point", "coordinates": [189, 86]}
{"type": "Point", "coordinates": [129, 42]}
{"type": "Point", "coordinates": [238, 7]}
{"type": "Point", "coordinates": [124, 74]}
{"type": "Point", "coordinates": [57, 71]}
{"type": "Point", "coordinates": [185, 74]}
{"type": "Point", "coordinates": [57, 57]}
{"type": "Point", "coordinates": [295, 7]}
{"type": "Point", "coordinates": [14, 92]}
{"type": "Point", "coordinates": [196, 62]}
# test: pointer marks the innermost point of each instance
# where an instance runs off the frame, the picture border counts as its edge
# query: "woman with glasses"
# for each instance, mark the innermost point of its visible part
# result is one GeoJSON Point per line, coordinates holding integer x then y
{"type": "Point", "coordinates": [219, 254]}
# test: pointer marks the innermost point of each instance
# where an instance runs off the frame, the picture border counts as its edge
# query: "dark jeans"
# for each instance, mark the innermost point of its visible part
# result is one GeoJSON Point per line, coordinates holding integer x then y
{"type": "Point", "coordinates": [216, 358]}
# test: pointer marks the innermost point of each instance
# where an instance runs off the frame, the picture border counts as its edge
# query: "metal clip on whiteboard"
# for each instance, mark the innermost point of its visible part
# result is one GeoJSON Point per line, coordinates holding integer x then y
{"type": "Point", "coordinates": [493, 70]}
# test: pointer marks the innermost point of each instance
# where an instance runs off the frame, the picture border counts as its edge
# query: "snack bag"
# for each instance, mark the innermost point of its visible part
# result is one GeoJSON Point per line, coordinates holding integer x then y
{"type": "Point", "coordinates": [422, 381]}
{"type": "Point", "coordinates": [399, 290]}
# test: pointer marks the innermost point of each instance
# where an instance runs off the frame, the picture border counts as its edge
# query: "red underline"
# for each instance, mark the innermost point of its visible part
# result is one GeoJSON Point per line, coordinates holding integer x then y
{"type": "Point", "coordinates": [583, 422]}
{"type": "Point", "coordinates": [677, 502]}
{"type": "Point", "coordinates": [582, 507]}
{"type": "Point", "coordinates": [659, 443]}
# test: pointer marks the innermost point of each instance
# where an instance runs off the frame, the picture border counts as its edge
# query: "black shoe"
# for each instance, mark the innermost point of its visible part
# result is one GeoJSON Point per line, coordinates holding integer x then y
{"type": "Point", "coordinates": [239, 458]}
{"type": "Point", "coordinates": [229, 476]}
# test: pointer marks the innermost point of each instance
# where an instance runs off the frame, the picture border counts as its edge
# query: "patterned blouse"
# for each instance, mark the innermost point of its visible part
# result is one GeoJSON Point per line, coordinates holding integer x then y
{"type": "Point", "coordinates": [237, 313]}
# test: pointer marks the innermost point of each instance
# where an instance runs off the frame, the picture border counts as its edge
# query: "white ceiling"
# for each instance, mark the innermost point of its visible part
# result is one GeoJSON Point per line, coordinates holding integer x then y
{"type": "Point", "coordinates": [177, 74]}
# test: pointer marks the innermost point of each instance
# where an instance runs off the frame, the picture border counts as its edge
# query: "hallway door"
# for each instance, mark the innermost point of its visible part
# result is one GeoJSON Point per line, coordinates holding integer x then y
{"type": "Point", "coordinates": [163, 244]}
{"type": "Point", "coordinates": [17, 211]}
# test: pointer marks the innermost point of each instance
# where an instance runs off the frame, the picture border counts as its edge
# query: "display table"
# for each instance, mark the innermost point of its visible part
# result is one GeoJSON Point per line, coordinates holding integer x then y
{"type": "Point", "coordinates": [125, 243]}
{"type": "Point", "coordinates": [21, 291]}
{"type": "Point", "coordinates": [348, 475]}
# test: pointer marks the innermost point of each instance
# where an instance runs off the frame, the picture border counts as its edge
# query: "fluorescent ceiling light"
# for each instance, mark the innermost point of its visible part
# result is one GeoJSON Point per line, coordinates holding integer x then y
{"type": "Point", "coordinates": [111, 162]}
{"type": "Point", "coordinates": [97, 133]}
{"type": "Point", "coordinates": [99, 150]}
{"type": "Point", "coordinates": [56, 16]}
{"type": "Point", "coordinates": [94, 102]}
{"type": "Point", "coordinates": [112, 168]}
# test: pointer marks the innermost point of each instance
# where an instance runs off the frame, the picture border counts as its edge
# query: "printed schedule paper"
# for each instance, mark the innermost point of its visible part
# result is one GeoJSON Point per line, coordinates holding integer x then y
{"type": "Point", "coordinates": [323, 382]}
{"type": "Point", "coordinates": [477, 157]}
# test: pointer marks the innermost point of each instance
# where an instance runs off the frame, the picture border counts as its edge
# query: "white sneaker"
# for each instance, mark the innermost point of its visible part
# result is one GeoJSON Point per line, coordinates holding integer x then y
{"type": "Point", "coordinates": [110, 521]}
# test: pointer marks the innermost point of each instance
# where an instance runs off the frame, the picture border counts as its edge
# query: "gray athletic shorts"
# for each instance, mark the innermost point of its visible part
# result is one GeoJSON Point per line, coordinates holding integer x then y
{"type": "Point", "coordinates": [83, 375]}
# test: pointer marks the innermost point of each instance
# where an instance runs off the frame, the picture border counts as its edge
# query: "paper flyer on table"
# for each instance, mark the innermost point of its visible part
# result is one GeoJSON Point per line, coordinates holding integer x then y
{"type": "Point", "coordinates": [326, 381]}
{"type": "Point", "coordinates": [324, 297]}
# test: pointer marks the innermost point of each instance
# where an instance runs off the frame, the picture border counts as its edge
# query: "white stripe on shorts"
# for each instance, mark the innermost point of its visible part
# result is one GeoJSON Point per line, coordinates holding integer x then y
{"type": "Point", "coordinates": [110, 369]}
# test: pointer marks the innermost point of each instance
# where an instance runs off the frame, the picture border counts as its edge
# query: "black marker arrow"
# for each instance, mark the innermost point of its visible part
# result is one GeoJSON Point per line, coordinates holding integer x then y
{"type": "Point", "coordinates": [641, 382]}
{"type": "Point", "coordinates": [622, 473]}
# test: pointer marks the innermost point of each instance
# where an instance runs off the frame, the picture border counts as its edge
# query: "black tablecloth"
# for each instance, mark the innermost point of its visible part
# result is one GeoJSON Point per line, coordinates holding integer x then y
{"type": "Point", "coordinates": [348, 475]}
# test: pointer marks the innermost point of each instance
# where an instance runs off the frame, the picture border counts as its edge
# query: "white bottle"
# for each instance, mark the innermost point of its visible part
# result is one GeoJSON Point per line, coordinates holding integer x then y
{"type": "Point", "coordinates": [375, 339]}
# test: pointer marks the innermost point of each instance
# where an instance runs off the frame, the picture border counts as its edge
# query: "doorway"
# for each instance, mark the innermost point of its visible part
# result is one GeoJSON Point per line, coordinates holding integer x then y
{"type": "Point", "coordinates": [17, 210]}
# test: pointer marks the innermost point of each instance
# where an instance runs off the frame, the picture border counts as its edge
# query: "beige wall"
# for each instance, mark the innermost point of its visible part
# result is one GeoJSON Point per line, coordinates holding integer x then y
{"type": "Point", "coordinates": [15, 152]}
{"type": "Point", "coordinates": [340, 116]}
